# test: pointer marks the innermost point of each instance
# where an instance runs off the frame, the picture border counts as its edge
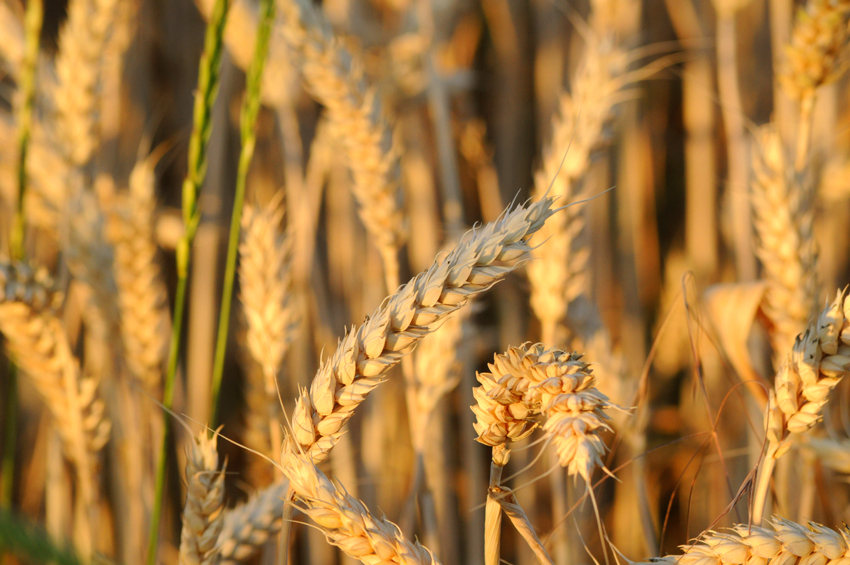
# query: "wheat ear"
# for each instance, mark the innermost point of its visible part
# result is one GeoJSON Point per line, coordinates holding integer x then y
{"type": "Point", "coordinates": [366, 354]}
{"type": "Point", "coordinates": [264, 277]}
{"type": "Point", "coordinates": [143, 297]}
{"type": "Point", "coordinates": [203, 512]}
{"type": "Point", "coordinates": [817, 55]}
{"type": "Point", "coordinates": [82, 43]}
{"type": "Point", "coordinates": [818, 361]}
{"type": "Point", "coordinates": [37, 342]}
{"type": "Point", "coordinates": [783, 543]}
{"type": "Point", "coordinates": [334, 76]}
{"type": "Point", "coordinates": [249, 526]}
{"type": "Point", "coordinates": [524, 385]}
{"type": "Point", "coordinates": [345, 521]}
{"type": "Point", "coordinates": [783, 219]}
{"type": "Point", "coordinates": [558, 273]}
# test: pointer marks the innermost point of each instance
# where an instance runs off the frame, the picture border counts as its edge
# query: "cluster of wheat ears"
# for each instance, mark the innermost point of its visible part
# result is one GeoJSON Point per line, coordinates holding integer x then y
{"type": "Point", "coordinates": [116, 316]}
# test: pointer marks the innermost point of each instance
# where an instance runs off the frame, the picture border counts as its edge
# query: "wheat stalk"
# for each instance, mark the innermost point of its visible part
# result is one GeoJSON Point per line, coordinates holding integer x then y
{"type": "Point", "coordinates": [203, 512]}
{"type": "Point", "coordinates": [818, 361]}
{"type": "Point", "coordinates": [785, 543]}
{"type": "Point", "coordinates": [345, 521]}
{"type": "Point", "coordinates": [783, 219]}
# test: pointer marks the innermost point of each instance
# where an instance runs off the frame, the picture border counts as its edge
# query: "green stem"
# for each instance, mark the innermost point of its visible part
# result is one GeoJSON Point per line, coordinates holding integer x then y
{"type": "Point", "coordinates": [32, 29]}
{"type": "Point", "coordinates": [8, 472]}
{"type": "Point", "coordinates": [32, 25]}
{"type": "Point", "coordinates": [208, 78]}
{"type": "Point", "coordinates": [250, 109]}
{"type": "Point", "coordinates": [167, 400]}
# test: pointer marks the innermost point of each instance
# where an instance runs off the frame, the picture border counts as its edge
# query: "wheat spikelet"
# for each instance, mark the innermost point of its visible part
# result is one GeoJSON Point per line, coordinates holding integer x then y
{"type": "Point", "coordinates": [334, 76]}
{"type": "Point", "coordinates": [817, 54]}
{"type": "Point", "coordinates": [529, 382]}
{"type": "Point", "coordinates": [82, 43]}
{"type": "Point", "coordinates": [365, 355]}
{"type": "Point", "coordinates": [203, 512]}
{"type": "Point", "coordinates": [784, 543]}
{"type": "Point", "coordinates": [249, 526]}
{"type": "Point", "coordinates": [783, 219]}
{"type": "Point", "coordinates": [142, 296]}
{"type": "Point", "coordinates": [558, 273]}
{"type": "Point", "coordinates": [345, 521]}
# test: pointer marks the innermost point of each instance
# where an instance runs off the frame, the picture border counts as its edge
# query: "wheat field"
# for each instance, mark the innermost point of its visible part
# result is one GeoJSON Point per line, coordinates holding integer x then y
{"type": "Point", "coordinates": [417, 282]}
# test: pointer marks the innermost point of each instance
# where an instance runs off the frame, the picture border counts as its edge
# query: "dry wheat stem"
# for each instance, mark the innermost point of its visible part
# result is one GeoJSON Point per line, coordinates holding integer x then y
{"type": "Point", "coordinates": [818, 361]}
{"type": "Point", "coordinates": [783, 218]}
{"type": "Point", "coordinates": [203, 512]}
{"type": "Point", "coordinates": [37, 342]}
{"type": "Point", "coordinates": [334, 76]}
{"type": "Point", "coordinates": [344, 520]}
{"type": "Point", "coordinates": [783, 543]}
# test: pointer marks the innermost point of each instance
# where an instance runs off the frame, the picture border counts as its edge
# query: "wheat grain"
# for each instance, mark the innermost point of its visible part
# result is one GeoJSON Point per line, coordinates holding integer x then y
{"type": "Point", "coordinates": [818, 361]}
{"type": "Point", "coordinates": [531, 381]}
{"type": "Point", "coordinates": [204, 511]}
{"type": "Point", "coordinates": [38, 344]}
{"type": "Point", "coordinates": [265, 282]}
{"type": "Point", "coordinates": [817, 54]}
